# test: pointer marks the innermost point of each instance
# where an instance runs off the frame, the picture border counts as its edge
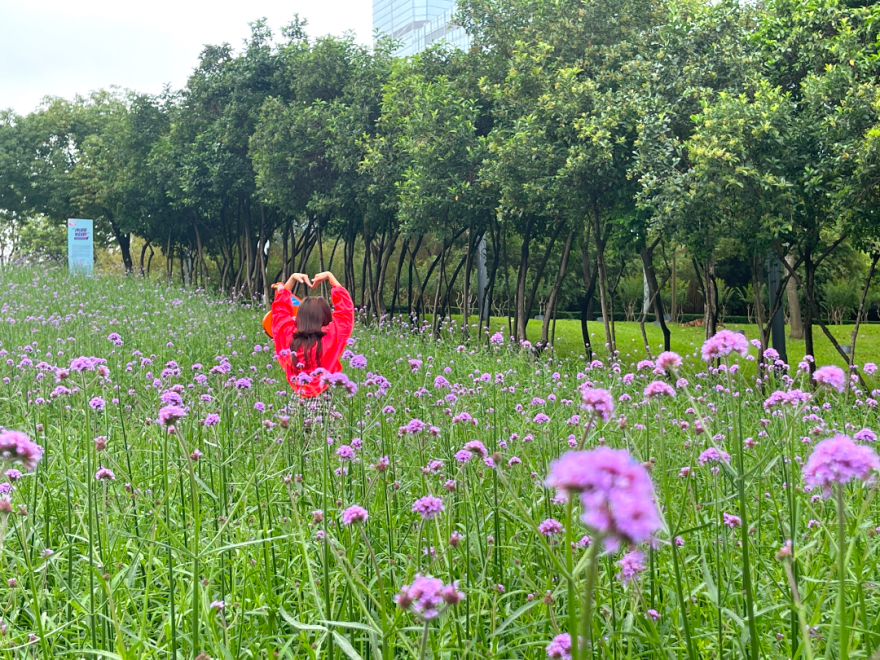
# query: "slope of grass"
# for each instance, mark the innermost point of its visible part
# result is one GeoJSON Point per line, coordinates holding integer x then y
{"type": "Point", "coordinates": [687, 340]}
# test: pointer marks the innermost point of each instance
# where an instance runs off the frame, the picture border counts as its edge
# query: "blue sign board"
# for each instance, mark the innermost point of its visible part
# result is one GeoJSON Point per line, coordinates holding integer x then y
{"type": "Point", "coordinates": [80, 246]}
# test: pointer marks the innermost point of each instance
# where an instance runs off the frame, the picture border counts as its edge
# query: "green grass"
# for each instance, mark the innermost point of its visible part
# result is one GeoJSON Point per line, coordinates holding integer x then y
{"type": "Point", "coordinates": [137, 561]}
{"type": "Point", "coordinates": [688, 339]}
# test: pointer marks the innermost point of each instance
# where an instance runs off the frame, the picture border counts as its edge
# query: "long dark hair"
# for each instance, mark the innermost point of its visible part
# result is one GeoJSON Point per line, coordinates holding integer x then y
{"type": "Point", "coordinates": [311, 317]}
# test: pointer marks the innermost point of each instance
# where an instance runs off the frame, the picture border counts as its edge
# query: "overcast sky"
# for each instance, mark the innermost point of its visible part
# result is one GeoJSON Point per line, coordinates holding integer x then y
{"type": "Point", "coordinates": [65, 47]}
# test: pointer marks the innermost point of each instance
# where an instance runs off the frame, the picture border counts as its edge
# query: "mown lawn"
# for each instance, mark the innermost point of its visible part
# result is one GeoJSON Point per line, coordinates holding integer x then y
{"type": "Point", "coordinates": [687, 340]}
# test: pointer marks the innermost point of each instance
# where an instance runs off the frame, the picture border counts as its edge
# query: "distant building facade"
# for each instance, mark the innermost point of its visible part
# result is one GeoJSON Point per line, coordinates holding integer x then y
{"type": "Point", "coordinates": [416, 24]}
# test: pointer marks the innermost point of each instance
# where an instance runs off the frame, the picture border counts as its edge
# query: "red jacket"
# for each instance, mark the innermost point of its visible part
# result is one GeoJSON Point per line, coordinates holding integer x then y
{"type": "Point", "coordinates": [332, 344]}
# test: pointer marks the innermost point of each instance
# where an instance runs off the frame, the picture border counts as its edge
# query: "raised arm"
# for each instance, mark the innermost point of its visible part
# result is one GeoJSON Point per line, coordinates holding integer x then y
{"type": "Point", "coordinates": [283, 322]}
{"type": "Point", "coordinates": [342, 324]}
{"type": "Point", "coordinates": [343, 312]}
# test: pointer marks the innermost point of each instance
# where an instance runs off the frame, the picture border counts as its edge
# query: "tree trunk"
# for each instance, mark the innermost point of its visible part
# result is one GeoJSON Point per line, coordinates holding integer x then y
{"type": "Point", "coordinates": [758, 299]}
{"type": "Point", "coordinates": [647, 256]}
{"type": "Point", "coordinates": [711, 299]}
{"type": "Point", "coordinates": [466, 292]}
{"type": "Point", "coordinates": [439, 287]}
{"type": "Point", "coordinates": [451, 283]}
{"type": "Point", "coordinates": [404, 248]}
{"type": "Point", "coordinates": [150, 261]}
{"type": "Point", "coordinates": [285, 252]}
{"type": "Point", "coordinates": [521, 322]}
{"type": "Point", "coordinates": [424, 286]}
{"type": "Point", "coordinates": [143, 254]}
{"type": "Point", "coordinates": [550, 308]}
{"type": "Point", "coordinates": [264, 276]}
{"type": "Point", "coordinates": [387, 253]}
{"type": "Point", "coordinates": [861, 311]}
{"type": "Point", "coordinates": [409, 293]}
{"type": "Point", "coordinates": [224, 268]}
{"type": "Point", "coordinates": [321, 259]}
{"type": "Point", "coordinates": [607, 320]}
{"type": "Point", "coordinates": [809, 309]}
{"type": "Point", "coordinates": [506, 277]}
{"type": "Point", "coordinates": [539, 274]}
{"type": "Point", "coordinates": [124, 241]}
{"type": "Point", "coordinates": [169, 260]}
{"type": "Point", "coordinates": [203, 268]}
{"type": "Point", "coordinates": [673, 313]}
{"type": "Point", "coordinates": [590, 276]}
{"type": "Point", "coordinates": [486, 311]}
{"type": "Point", "coordinates": [364, 273]}
{"type": "Point", "coordinates": [794, 305]}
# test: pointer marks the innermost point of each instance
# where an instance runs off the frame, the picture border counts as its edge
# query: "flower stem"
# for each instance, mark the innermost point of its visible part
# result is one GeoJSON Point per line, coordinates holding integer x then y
{"type": "Point", "coordinates": [841, 574]}
{"type": "Point", "coordinates": [569, 569]}
{"type": "Point", "coordinates": [587, 618]}
{"type": "Point", "coordinates": [423, 649]}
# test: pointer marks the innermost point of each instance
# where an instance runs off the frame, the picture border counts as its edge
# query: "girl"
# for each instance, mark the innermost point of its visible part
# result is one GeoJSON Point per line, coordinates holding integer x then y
{"type": "Point", "coordinates": [316, 337]}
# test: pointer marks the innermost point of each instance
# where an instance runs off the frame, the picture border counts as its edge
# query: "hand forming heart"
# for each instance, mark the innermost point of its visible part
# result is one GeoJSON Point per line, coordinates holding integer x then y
{"type": "Point", "coordinates": [302, 278]}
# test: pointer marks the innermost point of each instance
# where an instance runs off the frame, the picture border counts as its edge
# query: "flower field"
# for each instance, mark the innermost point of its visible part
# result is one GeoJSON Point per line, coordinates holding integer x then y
{"type": "Point", "coordinates": [166, 497]}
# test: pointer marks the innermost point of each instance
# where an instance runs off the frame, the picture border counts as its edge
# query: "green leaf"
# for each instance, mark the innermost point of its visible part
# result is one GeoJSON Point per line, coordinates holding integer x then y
{"type": "Point", "coordinates": [346, 647]}
{"type": "Point", "coordinates": [296, 624]}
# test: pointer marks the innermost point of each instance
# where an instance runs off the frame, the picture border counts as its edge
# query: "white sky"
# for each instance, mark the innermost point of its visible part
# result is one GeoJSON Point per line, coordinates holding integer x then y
{"type": "Point", "coordinates": [65, 47]}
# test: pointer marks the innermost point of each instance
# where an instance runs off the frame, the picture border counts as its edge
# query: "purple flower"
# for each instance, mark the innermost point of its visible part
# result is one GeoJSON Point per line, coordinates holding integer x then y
{"type": "Point", "coordinates": [97, 404]}
{"type": "Point", "coordinates": [218, 605]}
{"type": "Point", "coordinates": [13, 475]}
{"type": "Point", "coordinates": [339, 381]}
{"type": "Point", "coordinates": [476, 447]}
{"type": "Point", "coordinates": [839, 460]}
{"type": "Point", "coordinates": [791, 398]}
{"type": "Point", "coordinates": [870, 368]}
{"type": "Point", "coordinates": [171, 398]}
{"type": "Point", "coordinates": [415, 365]}
{"type": "Point", "coordinates": [424, 596]}
{"type": "Point", "coordinates": [497, 339]}
{"type": "Point", "coordinates": [15, 446]}
{"type": "Point", "coordinates": [464, 417]}
{"type": "Point", "coordinates": [865, 435]}
{"type": "Point", "coordinates": [170, 415]}
{"type": "Point", "coordinates": [654, 614]}
{"type": "Point", "coordinates": [440, 383]}
{"type": "Point", "coordinates": [428, 506]}
{"type": "Point", "coordinates": [616, 493]}
{"type": "Point", "coordinates": [712, 454]}
{"type": "Point", "coordinates": [354, 514]}
{"type": "Point", "coordinates": [631, 564]}
{"type": "Point", "coordinates": [732, 521]}
{"type": "Point", "coordinates": [550, 527]}
{"type": "Point", "coordinates": [723, 344]}
{"type": "Point", "coordinates": [463, 456]}
{"type": "Point", "coordinates": [541, 418]}
{"type": "Point", "coordinates": [560, 647]}
{"type": "Point", "coordinates": [598, 401]}
{"type": "Point", "coordinates": [105, 474]}
{"type": "Point", "coordinates": [413, 426]}
{"type": "Point", "coordinates": [831, 376]}
{"type": "Point", "coordinates": [658, 388]}
{"type": "Point", "coordinates": [345, 453]}
{"type": "Point", "coordinates": [212, 419]}
{"type": "Point", "coordinates": [668, 361]}
{"type": "Point", "coordinates": [84, 363]}
{"type": "Point", "coordinates": [358, 362]}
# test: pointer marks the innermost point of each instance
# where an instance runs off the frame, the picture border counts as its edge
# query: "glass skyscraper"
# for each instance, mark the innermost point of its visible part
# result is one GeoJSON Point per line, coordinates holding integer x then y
{"type": "Point", "coordinates": [418, 23]}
